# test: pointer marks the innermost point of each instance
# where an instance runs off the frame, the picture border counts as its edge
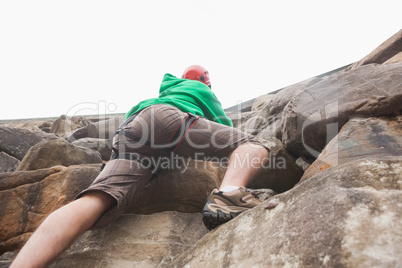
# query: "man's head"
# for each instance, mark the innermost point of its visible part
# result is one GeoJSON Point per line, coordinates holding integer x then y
{"type": "Point", "coordinates": [197, 72]}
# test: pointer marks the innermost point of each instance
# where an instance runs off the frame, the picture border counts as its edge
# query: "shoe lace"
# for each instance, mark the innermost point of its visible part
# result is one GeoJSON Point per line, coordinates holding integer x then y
{"type": "Point", "coordinates": [255, 193]}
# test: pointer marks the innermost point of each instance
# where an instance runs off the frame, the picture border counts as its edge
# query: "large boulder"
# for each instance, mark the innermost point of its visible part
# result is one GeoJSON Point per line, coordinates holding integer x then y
{"type": "Point", "coordinates": [260, 102]}
{"type": "Point", "coordinates": [368, 138]}
{"type": "Point", "coordinates": [100, 145]}
{"type": "Point", "coordinates": [136, 241]}
{"type": "Point", "coordinates": [266, 118]}
{"type": "Point", "coordinates": [8, 163]}
{"type": "Point", "coordinates": [183, 189]}
{"type": "Point", "coordinates": [17, 141]}
{"type": "Point", "coordinates": [280, 173]}
{"type": "Point", "coordinates": [29, 196]}
{"type": "Point", "coordinates": [57, 152]}
{"type": "Point", "coordinates": [315, 115]}
{"type": "Point", "coordinates": [395, 59]}
{"type": "Point", "coordinates": [387, 50]}
{"type": "Point", "coordinates": [64, 124]}
{"type": "Point", "coordinates": [44, 124]}
{"type": "Point", "coordinates": [102, 129]}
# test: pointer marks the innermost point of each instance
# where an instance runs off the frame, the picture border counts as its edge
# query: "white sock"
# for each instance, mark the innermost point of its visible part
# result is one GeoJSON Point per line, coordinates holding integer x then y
{"type": "Point", "coordinates": [229, 188]}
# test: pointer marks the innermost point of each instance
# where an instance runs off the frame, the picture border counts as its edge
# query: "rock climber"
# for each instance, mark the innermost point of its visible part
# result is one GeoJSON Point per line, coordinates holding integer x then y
{"type": "Point", "coordinates": [186, 120]}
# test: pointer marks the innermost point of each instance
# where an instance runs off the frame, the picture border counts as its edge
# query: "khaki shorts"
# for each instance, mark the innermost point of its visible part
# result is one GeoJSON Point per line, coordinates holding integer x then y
{"type": "Point", "coordinates": [154, 127]}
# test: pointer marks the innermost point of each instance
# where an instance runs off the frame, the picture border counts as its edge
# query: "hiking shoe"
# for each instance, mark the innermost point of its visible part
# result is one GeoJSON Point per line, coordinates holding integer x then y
{"type": "Point", "coordinates": [221, 207]}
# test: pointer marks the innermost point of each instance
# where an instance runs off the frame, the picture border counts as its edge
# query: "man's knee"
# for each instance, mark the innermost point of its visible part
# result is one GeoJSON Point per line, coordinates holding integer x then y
{"type": "Point", "coordinates": [99, 198]}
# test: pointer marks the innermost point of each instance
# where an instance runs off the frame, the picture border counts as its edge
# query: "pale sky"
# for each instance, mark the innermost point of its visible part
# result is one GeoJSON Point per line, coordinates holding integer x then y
{"type": "Point", "coordinates": [90, 57]}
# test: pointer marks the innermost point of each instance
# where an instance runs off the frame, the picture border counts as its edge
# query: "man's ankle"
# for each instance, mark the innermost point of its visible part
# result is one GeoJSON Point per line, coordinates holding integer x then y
{"type": "Point", "coordinates": [226, 189]}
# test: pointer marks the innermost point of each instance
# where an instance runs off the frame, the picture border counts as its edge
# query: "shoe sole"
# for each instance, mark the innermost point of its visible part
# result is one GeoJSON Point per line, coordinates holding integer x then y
{"type": "Point", "coordinates": [213, 219]}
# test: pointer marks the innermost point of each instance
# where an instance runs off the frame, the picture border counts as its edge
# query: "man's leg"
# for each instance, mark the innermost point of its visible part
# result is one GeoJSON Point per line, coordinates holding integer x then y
{"type": "Point", "coordinates": [244, 163]}
{"type": "Point", "coordinates": [61, 228]}
{"type": "Point", "coordinates": [233, 198]}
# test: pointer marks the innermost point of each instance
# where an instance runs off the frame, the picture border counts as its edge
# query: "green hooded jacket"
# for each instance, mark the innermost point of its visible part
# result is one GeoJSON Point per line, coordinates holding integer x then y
{"type": "Point", "coordinates": [188, 96]}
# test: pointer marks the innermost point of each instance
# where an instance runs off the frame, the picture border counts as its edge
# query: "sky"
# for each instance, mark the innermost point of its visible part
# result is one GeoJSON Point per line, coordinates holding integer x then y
{"type": "Point", "coordinates": [96, 57]}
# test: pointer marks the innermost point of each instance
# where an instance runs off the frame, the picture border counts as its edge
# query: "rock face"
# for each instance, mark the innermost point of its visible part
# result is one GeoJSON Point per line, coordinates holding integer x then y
{"type": "Point", "coordinates": [157, 239]}
{"type": "Point", "coordinates": [29, 196]}
{"type": "Point", "coordinates": [8, 163]}
{"type": "Point", "coordinates": [65, 125]}
{"type": "Point", "coordinates": [16, 142]}
{"type": "Point", "coordinates": [371, 138]}
{"type": "Point", "coordinates": [346, 212]}
{"type": "Point", "coordinates": [99, 130]}
{"type": "Point", "coordinates": [183, 190]}
{"type": "Point", "coordinates": [314, 116]}
{"type": "Point", "coordinates": [100, 145]}
{"type": "Point", "coordinates": [281, 173]}
{"type": "Point", "coordinates": [306, 116]}
{"type": "Point", "coordinates": [42, 191]}
{"type": "Point", "coordinates": [386, 51]}
{"type": "Point", "coordinates": [57, 152]}
{"type": "Point", "coordinates": [334, 178]}
{"type": "Point", "coordinates": [339, 218]}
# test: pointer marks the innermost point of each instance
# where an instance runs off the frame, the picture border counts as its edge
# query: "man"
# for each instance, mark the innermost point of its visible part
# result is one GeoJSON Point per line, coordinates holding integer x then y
{"type": "Point", "coordinates": [186, 120]}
